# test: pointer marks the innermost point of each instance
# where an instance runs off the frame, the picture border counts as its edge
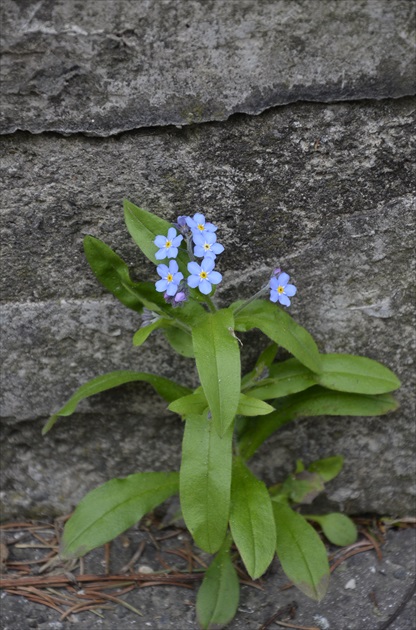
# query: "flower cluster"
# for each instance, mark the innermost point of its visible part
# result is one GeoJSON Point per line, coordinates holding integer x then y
{"type": "Point", "coordinates": [202, 243]}
{"type": "Point", "coordinates": [201, 240]}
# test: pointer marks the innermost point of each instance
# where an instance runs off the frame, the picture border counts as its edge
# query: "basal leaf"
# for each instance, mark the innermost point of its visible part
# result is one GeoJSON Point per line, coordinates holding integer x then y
{"type": "Point", "coordinates": [144, 227]}
{"type": "Point", "coordinates": [113, 273]}
{"type": "Point", "coordinates": [217, 599]}
{"type": "Point", "coordinates": [180, 340]}
{"type": "Point", "coordinates": [286, 377]}
{"type": "Point", "coordinates": [327, 468]}
{"type": "Point", "coordinates": [205, 482]}
{"type": "Point", "coordinates": [169, 390]}
{"type": "Point", "coordinates": [248, 406]}
{"type": "Point", "coordinates": [349, 373]}
{"type": "Point", "coordinates": [251, 520]}
{"type": "Point", "coordinates": [316, 401]}
{"type": "Point", "coordinates": [143, 333]}
{"type": "Point", "coordinates": [193, 404]}
{"type": "Point", "coordinates": [338, 528]}
{"type": "Point", "coordinates": [110, 509]}
{"type": "Point", "coordinates": [217, 357]}
{"type": "Point", "coordinates": [301, 552]}
{"type": "Point", "coordinates": [278, 325]}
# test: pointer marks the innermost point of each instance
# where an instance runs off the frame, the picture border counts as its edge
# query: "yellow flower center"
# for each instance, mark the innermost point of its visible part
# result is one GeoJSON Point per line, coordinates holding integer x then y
{"type": "Point", "coordinates": [280, 290]}
{"type": "Point", "coordinates": [207, 246]}
{"type": "Point", "coordinates": [168, 244]}
{"type": "Point", "coordinates": [201, 227]}
{"type": "Point", "coordinates": [169, 277]}
{"type": "Point", "coordinates": [203, 275]}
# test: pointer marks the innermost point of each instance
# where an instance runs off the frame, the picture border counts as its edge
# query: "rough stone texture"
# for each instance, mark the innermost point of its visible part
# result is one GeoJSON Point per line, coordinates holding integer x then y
{"type": "Point", "coordinates": [380, 588]}
{"type": "Point", "coordinates": [327, 190]}
{"type": "Point", "coordinates": [111, 66]}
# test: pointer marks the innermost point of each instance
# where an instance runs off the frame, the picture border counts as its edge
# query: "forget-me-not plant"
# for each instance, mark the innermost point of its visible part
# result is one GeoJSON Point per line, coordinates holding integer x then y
{"type": "Point", "coordinates": [227, 417]}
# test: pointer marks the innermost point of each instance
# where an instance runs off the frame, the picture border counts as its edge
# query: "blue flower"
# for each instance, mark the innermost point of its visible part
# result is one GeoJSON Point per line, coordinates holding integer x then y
{"type": "Point", "coordinates": [198, 224]}
{"type": "Point", "coordinates": [202, 276]}
{"type": "Point", "coordinates": [280, 290]}
{"type": "Point", "coordinates": [168, 244]}
{"type": "Point", "coordinates": [206, 245]}
{"type": "Point", "coordinates": [170, 278]}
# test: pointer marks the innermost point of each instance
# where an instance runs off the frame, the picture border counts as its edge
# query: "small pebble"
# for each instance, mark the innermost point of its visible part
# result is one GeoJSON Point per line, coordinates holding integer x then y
{"type": "Point", "coordinates": [145, 569]}
{"type": "Point", "coordinates": [322, 622]}
{"type": "Point", "coordinates": [351, 584]}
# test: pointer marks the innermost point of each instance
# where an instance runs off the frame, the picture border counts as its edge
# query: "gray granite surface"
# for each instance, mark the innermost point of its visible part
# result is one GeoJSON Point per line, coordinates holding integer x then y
{"type": "Point", "coordinates": [324, 188]}
{"type": "Point", "coordinates": [113, 65]}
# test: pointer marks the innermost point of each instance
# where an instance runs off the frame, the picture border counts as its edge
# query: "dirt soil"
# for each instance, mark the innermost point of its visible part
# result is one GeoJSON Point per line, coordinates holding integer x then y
{"type": "Point", "coordinates": [147, 578]}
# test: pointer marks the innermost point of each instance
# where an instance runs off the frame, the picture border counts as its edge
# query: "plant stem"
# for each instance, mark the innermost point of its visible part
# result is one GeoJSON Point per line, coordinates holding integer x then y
{"type": "Point", "coordinates": [210, 304]}
{"type": "Point", "coordinates": [260, 293]}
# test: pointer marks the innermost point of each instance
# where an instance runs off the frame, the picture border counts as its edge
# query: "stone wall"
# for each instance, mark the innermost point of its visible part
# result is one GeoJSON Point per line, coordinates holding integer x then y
{"type": "Point", "coordinates": [290, 126]}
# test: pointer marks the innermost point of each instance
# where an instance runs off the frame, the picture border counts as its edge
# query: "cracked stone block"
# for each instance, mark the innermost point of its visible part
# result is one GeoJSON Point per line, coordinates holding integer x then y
{"type": "Point", "coordinates": [115, 65]}
{"type": "Point", "coordinates": [326, 191]}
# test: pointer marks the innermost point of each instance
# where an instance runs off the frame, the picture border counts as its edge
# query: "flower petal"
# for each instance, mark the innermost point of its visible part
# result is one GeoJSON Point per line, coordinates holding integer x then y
{"type": "Point", "coordinates": [171, 234]}
{"type": "Point", "coordinates": [199, 251]}
{"type": "Point", "coordinates": [177, 240]}
{"type": "Point", "coordinates": [290, 290]}
{"type": "Point", "coordinates": [274, 284]}
{"type": "Point", "coordinates": [171, 288]}
{"type": "Point", "coordinates": [215, 277]}
{"type": "Point", "coordinates": [283, 299]}
{"type": "Point", "coordinates": [210, 227]}
{"type": "Point", "coordinates": [205, 287]}
{"type": "Point", "coordinates": [160, 241]}
{"type": "Point", "coordinates": [198, 238]}
{"type": "Point", "coordinates": [283, 279]}
{"type": "Point", "coordinates": [161, 254]}
{"type": "Point", "coordinates": [193, 281]}
{"type": "Point", "coordinates": [194, 268]}
{"type": "Point", "coordinates": [177, 277]}
{"type": "Point", "coordinates": [162, 270]}
{"type": "Point", "coordinates": [173, 266]}
{"type": "Point", "coordinates": [208, 264]}
{"type": "Point", "coordinates": [191, 223]}
{"type": "Point", "coordinates": [199, 219]}
{"type": "Point", "coordinates": [274, 296]}
{"type": "Point", "coordinates": [161, 285]}
{"type": "Point", "coordinates": [172, 252]}
{"type": "Point", "coordinates": [217, 248]}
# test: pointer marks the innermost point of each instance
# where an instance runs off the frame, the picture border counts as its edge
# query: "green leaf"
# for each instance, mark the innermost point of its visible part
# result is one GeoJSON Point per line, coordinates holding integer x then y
{"type": "Point", "coordinates": [113, 273]}
{"type": "Point", "coordinates": [218, 595]}
{"type": "Point", "coordinates": [144, 227]}
{"type": "Point", "coordinates": [287, 377]}
{"type": "Point", "coordinates": [301, 552]}
{"type": "Point", "coordinates": [251, 520]}
{"type": "Point", "coordinates": [217, 357]}
{"type": "Point", "coordinates": [110, 509]}
{"type": "Point", "coordinates": [181, 341]}
{"type": "Point", "coordinates": [248, 406]}
{"type": "Point", "coordinates": [316, 401]}
{"type": "Point", "coordinates": [278, 325]}
{"type": "Point", "coordinates": [349, 373]}
{"type": "Point", "coordinates": [327, 468]}
{"type": "Point", "coordinates": [205, 482]}
{"type": "Point", "coordinates": [302, 487]}
{"type": "Point", "coordinates": [166, 388]}
{"type": "Point", "coordinates": [143, 333]}
{"type": "Point", "coordinates": [338, 528]}
{"type": "Point", "coordinates": [194, 404]}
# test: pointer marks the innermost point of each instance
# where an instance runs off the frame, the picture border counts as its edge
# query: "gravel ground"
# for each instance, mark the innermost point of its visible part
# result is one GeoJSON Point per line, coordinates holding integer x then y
{"type": "Point", "coordinates": [364, 594]}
